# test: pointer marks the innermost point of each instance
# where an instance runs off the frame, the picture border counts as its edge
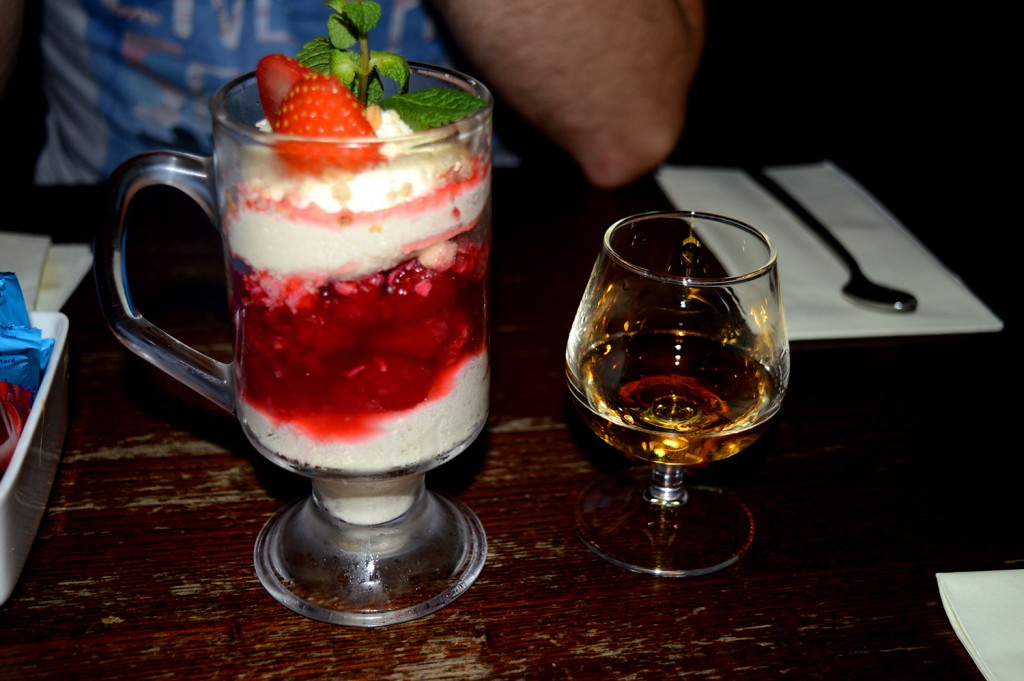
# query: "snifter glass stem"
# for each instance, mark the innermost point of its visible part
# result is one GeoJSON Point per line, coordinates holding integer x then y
{"type": "Point", "coordinates": [666, 488]}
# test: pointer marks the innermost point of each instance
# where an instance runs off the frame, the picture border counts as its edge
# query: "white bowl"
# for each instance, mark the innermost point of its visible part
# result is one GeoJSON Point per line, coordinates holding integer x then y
{"type": "Point", "coordinates": [25, 485]}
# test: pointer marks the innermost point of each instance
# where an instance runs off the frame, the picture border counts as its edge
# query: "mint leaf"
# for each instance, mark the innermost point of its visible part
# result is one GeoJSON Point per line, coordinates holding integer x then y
{"type": "Point", "coordinates": [339, 32]}
{"type": "Point", "coordinates": [393, 67]}
{"type": "Point", "coordinates": [316, 54]}
{"type": "Point", "coordinates": [374, 89]}
{"type": "Point", "coordinates": [362, 17]}
{"type": "Point", "coordinates": [345, 67]}
{"type": "Point", "coordinates": [432, 108]}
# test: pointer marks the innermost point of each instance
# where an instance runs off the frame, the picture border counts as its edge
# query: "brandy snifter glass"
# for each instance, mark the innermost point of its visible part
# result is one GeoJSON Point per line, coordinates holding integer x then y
{"type": "Point", "coordinates": [678, 357]}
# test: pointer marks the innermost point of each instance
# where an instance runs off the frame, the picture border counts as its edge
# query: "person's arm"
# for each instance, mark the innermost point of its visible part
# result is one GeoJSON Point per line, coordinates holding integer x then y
{"type": "Point", "coordinates": [12, 13]}
{"type": "Point", "coordinates": [607, 80]}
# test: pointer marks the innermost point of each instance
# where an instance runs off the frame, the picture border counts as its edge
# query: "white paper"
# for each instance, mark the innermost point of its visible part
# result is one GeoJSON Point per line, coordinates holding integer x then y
{"type": "Point", "coordinates": [48, 273]}
{"type": "Point", "coordinates": [812, 276]}
{"type": "Point", "coordinates": [66, 265]}
{"type": "Point", "coordinates": [24, 254]}
{"type": "Point", "coordinates": [986, 610]}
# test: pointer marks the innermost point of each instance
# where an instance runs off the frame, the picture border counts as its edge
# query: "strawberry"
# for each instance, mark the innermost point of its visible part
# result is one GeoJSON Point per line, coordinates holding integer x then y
{"type": "Point", "coordinates": [320, 106]}
{"type": "Point", "coordinates": [276, 74]}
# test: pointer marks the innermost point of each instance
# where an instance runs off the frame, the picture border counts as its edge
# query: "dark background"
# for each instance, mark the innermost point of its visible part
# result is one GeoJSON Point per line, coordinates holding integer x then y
{"type": "Point", "coordinates": [22, 109]}
{"type": "Point", "coordinates": [915, 101]}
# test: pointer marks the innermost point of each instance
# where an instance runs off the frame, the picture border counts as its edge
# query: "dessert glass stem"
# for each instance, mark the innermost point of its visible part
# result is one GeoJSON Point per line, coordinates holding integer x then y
{"type": "Point", "coordinates": [367, 502]}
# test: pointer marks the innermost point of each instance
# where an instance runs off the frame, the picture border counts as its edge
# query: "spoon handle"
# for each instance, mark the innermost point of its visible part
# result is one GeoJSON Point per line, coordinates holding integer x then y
{"type": "Point", "coordinates": [859, 287]}
{"type": "Point", "coordinates": [808, 219]}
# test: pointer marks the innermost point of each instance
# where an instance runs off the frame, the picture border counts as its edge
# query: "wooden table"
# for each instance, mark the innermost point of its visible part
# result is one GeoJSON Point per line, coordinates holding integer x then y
{"type": "Point", "coordinates": [888, 463]}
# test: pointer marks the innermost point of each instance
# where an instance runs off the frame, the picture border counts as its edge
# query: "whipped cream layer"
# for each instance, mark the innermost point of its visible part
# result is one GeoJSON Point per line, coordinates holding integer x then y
{"type": "Point", "coordinates": [346, 226]}
{"type": "Point", "coordinates": [408, 439]}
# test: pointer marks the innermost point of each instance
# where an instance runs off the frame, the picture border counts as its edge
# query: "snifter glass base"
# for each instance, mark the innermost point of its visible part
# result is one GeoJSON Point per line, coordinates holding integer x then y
{"type": "Point", "coordinates": [330, 570]}
{"type": "Point", "coordinates": [705, 530]}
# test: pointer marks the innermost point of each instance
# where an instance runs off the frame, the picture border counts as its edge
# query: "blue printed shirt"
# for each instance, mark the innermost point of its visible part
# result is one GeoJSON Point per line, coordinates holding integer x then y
{"type": "Point", "coordinates": [126, 76]}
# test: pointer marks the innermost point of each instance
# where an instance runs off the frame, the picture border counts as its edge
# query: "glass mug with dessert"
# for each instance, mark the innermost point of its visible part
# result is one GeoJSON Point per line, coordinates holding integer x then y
{"type": "Point", "coordinates": [352, 193]}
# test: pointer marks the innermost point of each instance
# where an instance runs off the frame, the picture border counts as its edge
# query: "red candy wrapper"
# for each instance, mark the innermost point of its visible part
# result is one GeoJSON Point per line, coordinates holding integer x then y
{"type": "Point", "coordinates": [15, 404]}
{"type": "Point", "coordinates": [24, 354]}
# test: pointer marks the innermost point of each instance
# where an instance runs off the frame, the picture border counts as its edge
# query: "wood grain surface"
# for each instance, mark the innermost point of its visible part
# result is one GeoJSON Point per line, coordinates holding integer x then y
{"type": "Point", "coordinates": [889, 462]}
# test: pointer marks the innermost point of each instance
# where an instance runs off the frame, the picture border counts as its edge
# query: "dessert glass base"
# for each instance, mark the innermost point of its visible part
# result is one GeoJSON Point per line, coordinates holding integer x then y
{"type": "Point", "coordinates": [704, 531]}
{"type": "Point", "coordinates": [370, 575]}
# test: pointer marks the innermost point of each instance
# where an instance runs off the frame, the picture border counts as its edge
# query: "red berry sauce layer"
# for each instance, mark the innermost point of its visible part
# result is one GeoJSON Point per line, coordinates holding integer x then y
{"type": "Point", "coordinates": [335, 358]}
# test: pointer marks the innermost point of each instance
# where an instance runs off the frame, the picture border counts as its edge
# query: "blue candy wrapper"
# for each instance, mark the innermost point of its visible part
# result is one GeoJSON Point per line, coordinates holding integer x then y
{"type": "Point", "coordinates": [13, 311]}
{"type": "Point", "coordinates": [24, 354]}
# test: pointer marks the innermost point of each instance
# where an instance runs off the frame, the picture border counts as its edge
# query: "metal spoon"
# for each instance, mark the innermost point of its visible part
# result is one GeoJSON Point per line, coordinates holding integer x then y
{"type": "Point", "coordinates": [859, 287]}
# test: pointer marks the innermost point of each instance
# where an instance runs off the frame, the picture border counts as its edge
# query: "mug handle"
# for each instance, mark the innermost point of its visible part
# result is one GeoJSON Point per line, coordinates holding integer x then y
{"type": "Point", "coordinates": [192, 175]}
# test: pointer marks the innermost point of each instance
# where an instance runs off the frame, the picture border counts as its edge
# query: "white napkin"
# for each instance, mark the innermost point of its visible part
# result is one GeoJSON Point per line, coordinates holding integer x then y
{"type": "Point", "coordinates": [25, 255]}
{"type": "Point", "coordinates": [812, 276]}
{"type": "Point", "coordinates": [48, 273]}
{"type": "Point", "coordinates": [986, 610]}
{"type": "Point", "coordinates": [66, 266]}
